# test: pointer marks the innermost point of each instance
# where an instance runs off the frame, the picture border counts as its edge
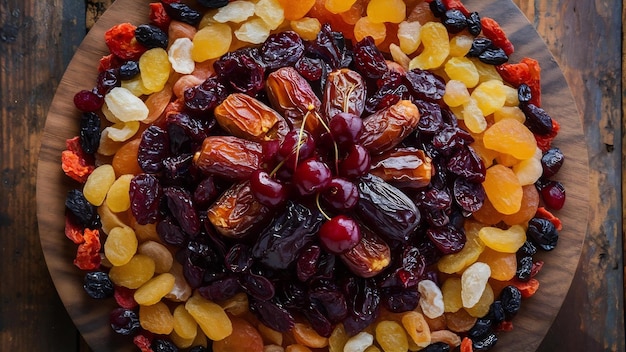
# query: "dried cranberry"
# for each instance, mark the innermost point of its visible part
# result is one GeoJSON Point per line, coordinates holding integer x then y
{"type": "Point", "coordinates": [107, 80]}
{"type": "Point", "coordinates": [551, 162]}
{"type": "Point", "coordinates": [553, 193]}
{"type": "Point", "coordinates": [124, 321]}
{"type": "Point", "coordinates": [145, 197]}
{"type": "Point", "coordinates": [241, 72]}
{"type": "Point", "coordinates": [88, 101]}
{"type": "Point", "coordinates": [447, 239]}
{"type": "Point", "coordinates": [153, 149]}
{"type": "Point", "coordinates": [537, 119]}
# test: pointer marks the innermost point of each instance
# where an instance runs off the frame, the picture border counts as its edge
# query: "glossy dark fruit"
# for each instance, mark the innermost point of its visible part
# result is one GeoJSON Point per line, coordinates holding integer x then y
{"type": "Point", "coordinates": [437, 7]}
{"type": "Point", "coordinates": [425, 85]}
{"type": "Point", "coordinates": [161, 345]}
{"type": "Point", "coordinates": [368, 59]}
{"type": "Point", "coordinates": [496, 312]}
{"type": "Point", "coordinates": [311, 176]}
{"type": "Point", "coordinates": [524, 93]}
{"type": "Point", "coordinates": [282, 49]}
{"type": "Point", "coordinates": [466, 163]}
{"type": "Point", "coordinates": [124, 321]}
{"type": "Point", "coordinates": [447, 239]}
{"type": "Point", "coordinates": [493, 56]}
{"type": "Point", "coordinates": [296, 147]}
{"type": "Point", "coordinates": [481, 328]}
{"type": "Point", "coordinates": [272, 314]}
{"type": "Point", "coordinates": [537, 119]}
{"type": "Point", "coordinates": [341, 194]}
{"type": "Point", "coordinates": [267, 190]}
{"type": "Point", "coordinates": [345, 128]}
{"type": "Point", "coordinates": [454, 20]}
{"type": "Point", "coordinates": [205, 193]}
{"type": "Point", "coordinates": [107, 80]}
{"type": "Point", "coordinates": [552, 193]}
{"type": "Point", "coordinates": [356, 163]}
{"type": "Point", "coordinates": [330, 47]}
{"type": "Point", "coordinates": [363, 305]}
{"type": "Point", "coordinates": [369, 257]}
{"type": "Point", "coordinates": [473, 24]}
{"type": "Point", "coordinates": [98, 285]}
{"type": "Point", "coordinates": [257, 286]}
{"type": "Point", "coordinates": [145, 198]}
{"type": "Point", "coordinates": [399, 301]}
{"type": "Point", "coordinates": [89, 132]}
{"type": "Point", "coordinates": [479, 45]}
{"type": "Point", "coordinates": [306, 264]}
{"type": "Point", "coordinates": [185, 132]}
{"type": "Point", "coordinates": [339, 234]}
{"type": "Point", "coordinates": [511, 299]}
{"type": "Point", "coordinates": [88, 101]}
{"type": "Point", "coordinates": [527, 249]}
{"type": "Point", "coordinates": [543, 233]}
{"type": "Point", "coordinates": [206, 96]}
{"type": "Point", "coordinates": [129, 70]}
{"type": "Point", "coordinates": [170, 232]}
{"type": "Point", "coordinates": [181, 207]}
{"type": "Point", "coordinates": [485, 343]}
{"type": "Point", "coordinates": [151, 36]}
{"type": "Point", "coordinates": [182, 12]}
{"type": "Point", "coordinates": [83, 211]}
{"type": "Point", "coordinates": [213, 4]}
{"type": "Point", "coordinates": [221, 289]}
{"type": "Point", "coordinates": [238, 259]}
{"type": "Point", "coordinates": [469, 195]}
{"type": "Point", "coordinates": [436, 347]}
{"type": "Point", "coordinates": [153, 149]}
{"type": "Point", "coordinates": [524, 268]}
{"type": "Point", "coordinates": [551, 162]}
{"type": "Point", "coordinates": [329, 296]}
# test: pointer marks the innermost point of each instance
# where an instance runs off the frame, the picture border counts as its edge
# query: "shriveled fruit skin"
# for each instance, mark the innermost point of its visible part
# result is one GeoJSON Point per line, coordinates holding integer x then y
{"type": "Point", "coordinates": [210, 317]}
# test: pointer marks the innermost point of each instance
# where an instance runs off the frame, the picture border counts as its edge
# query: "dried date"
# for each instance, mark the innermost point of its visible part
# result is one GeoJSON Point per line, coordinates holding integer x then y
{"type": "Point", "coordinates": [292, 96]}
{"type": "Point", "coordinates": [230, 157]}
{"type": "Point", "coordinates": [385, 129]}
{"type": "Point", "coordinates": [403, 167]}
{"type": "Point", "coordinates": [345, 91]}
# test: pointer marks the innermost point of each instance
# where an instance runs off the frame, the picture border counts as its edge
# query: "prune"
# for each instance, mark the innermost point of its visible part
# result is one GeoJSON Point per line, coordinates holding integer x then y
{"type": "Point", "coordinates": [107, 80]}
{"type": "Point", "coordinates": [239, 70]}
{"type": "Point", "coordinates": [206, 96]}
{"type": "Point", "coordinates": [306, 264]}
{"type": "Point", "coordinates": [153, 148]}
{"type": "Point", "coordinates": [466, 163]}
{"type": "Point", "coordinates": [221, 289]}
{"type": "Point", "coordinates": [89, 132]}
{"type": "Point", "coordinates": [257, 286]}
{"type": "Point", "coordinates": [481, 328]}
{"type": "Point", "coordinates": [280, 243]}
{"type": "Point", "coordinates": [151, 36]}
{"type": "Point", "coordinates": [181, 207]}
{"type": "Point", "coordinates": [451, 139]}
{"type": "Point", "coordinates": [524, 268]}
{"type": "Point", "coordinates": [479, 45]}
{"type": "Point", "coordinates": [205, 193]}
{"type": "Point", "coordinates": [272, 314]}
{"type": "Point", "coordinates": [368, 59]}
{"type": "Point", "coordinates": [282, 49]}
{"type": "Point", "coordinates": [543, 233]}
{"type": "Point", "coordinates": [331, 299]}
{"type": "Point", "coordinates": [329, 48]}
{"type": "Point", "coordinates": [98, 285]}
{"type": "Point", "coordinates": [364, 305]}
{"type": "Point", "coordinates": [83, 211]}
{"type": "Point", "coordinates": [524, 93]}
{"type": "Point", "coordinates": [160, 345]}
{"type": "Point", "coordinates": [493, 56]}
{"type": "Point", "coordinates": [537, 119]}
{"type": "Point", "coordinates": [551, 162]}
{"type": "Point", "coordinates": [170, 232]}
{"type": "Point", "coordinates": [128, 70]}
{"type": "Point", "coordinates": [213, 4]}
{"type": "Point", "coordinates": [145, 198]}
{"type": "Point", "coordinates": [124, 321]}
{"type": "Point", "coordinates": [496, 313]}
{"type": "Point", "coordinates": [469, 195]}
{"type": "Point", "coordinates": [431, 119]}
{"type": "Point", "coordinates": [447, 239]}
{"type": "Point", "coordinates": [485, 343]}
{"type": "Point", "coordinates": [238, 259]}
{"type": "Point", "coordinates": [292, 295]}
{"type": "Point", "coordinates": [386, 209]}
{"type": "Point", "coordinates": [436, 347]}
{"type": "Point", "coordinates": [425, 85]}
{"type": "Point", "coordinates": [182, 12]}
{"type": "Point", "coordinates": [399, 301]}
{"type": "Point", "coordinates": [511, 299]}
{"type": "Point", "coordinates": [454, 20]}
{"type": "Point", "coordinates": [473, 24]}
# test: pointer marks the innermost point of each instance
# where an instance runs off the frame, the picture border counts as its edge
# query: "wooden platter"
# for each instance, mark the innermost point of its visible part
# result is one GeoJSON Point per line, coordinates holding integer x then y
{"type": "Point", "coordinates": [91, 316]}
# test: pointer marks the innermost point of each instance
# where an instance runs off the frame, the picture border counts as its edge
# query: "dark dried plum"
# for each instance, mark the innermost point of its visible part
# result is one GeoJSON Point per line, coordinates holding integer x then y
{"type": "Point", "coordinates": [124, 321]}
{"type": "Point", "coordinates": [83, 211]}
{"type": "Point", "coordinates": [238, 259]}
{"type": "Point", "coordinates": [479, 45]}
{"type": "Point", "coordinates": [257, 286]}
{"type": "Point", "coordinates": [466, 163]}
{"type": "Point", "coordinates": [181, 207]}
{"type": "Point", "coordinates": [511, 298]}
{"type": "Point", "coordinates": [153, 148]}
{"type": "Point", "coordinates": [272, 314]}
{"type": "Point", "coordinates": [543, 233]}
{"type": "Point", "coordinates": [425, 85]}
{"type": "Point", "coordinates": [89, 132]}
{"type": "Point", "coordinates": [145, 198]}
{"type": "Point", "coordinates": [493, 56]}
{"type": "Point", "coordinates": [363, 306]}
{"type": "Point", "coordinates": [481, 328]}
{"type": "Point", "coordinates": [368, 59]}
{"type": "Point", "coordinates": [447, 239]}
{"type": "Point", "coordinates": [98, 285]}
{"type": "Point", "coordinates": [469, 195]}
{"type": "Point", "coordinates": [170, 232]}
{"type": "Point", "coordinates": [222, 289]}
{"type": "Point", "coordinates": [282, 49]}
{"type": "Point", "coordinates": [206, 96]}
{"type": "Point", "coordinates": [241, 72]}
{"type": "Point", "coordinates": [128, 70]}
{"type": "Point", "coordinates": [151, 36]}
{"type": "Point", "coordinates": [537, 119]}
{"type": "Point", "coordinates": [454, 20]}
{"type": "Point", "coordinates": [524, 268]}
{"type": "Point", "coordinates": [182, 12]}
{"type": "Point", "coordinates": [551, 162]}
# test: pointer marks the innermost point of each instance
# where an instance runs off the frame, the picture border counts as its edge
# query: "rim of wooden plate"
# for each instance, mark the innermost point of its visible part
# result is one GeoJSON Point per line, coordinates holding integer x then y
{"type": "Point", "coordinates": [91, 316]}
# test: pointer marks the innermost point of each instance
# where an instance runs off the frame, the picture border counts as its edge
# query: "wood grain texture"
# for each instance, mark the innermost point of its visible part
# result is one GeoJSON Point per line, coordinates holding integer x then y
{"type": "Point", "coordinates": [37, 39]}
{"type": "Point", "coordinates": [578, 33]}
{"type": "Point", "coordinates": [531, 324]}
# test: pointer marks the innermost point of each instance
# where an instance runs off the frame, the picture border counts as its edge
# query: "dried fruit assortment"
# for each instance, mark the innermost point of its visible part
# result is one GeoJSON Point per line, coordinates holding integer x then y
{"type": "Point", "coordinates": [332, 175]}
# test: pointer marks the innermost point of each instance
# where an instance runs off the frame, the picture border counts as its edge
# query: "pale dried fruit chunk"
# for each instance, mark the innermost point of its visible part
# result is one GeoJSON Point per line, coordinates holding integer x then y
{"type": "Point", "coordinates": [273, 348]}
{"type": "Point", "coordinates": [473, 281]}
{"type": "Point", "coordinates": [456, 93]}
{"type": "Point", "coordinates": [154, 68]}
{"type": "Point", "coordinates": [453, 340]}
{"type": "Point", "coordinates": [528, 171]}
{"type": "Point", "coordinates": [184, 324]}
{"type": "Point", "coordinates": [307, 336]}
{"type": "Point", "coordinates": [451, 291]}
{"type": "Point", "coordinates": [136, 87]}
{"type": "Point", "coordinates": [338, 339]}
{"type": "Point", "coordinates": [509, 112]}
{"type": "Point", "coordinates": [490, 96]}
{"type": "Point", "coordinates": [107, 146]}
{"type": "Point", "coordinates": [460, 321]}
{"type": "Point", "coordinates": [156, 288]}
{"type": "Point", "coordinates": [364, 27]}
{"type": "Point", "coordinates": [509, 136]}
{"type": "Point", "coordinates": [236, 305]}
{"type": "Point", "coordinates": [118, 197]}
{"type": "Point", "coordinates": [109, 219]}
{"type": "Point", "coordinates": [486, 72]}
{"type": "Point", "coordinates": [399, 56]}
{"type": "Point", "coordinates": [156, 318]}
{"type": "Point", "coordinates": [254, 31]}
{"type": "Point", "coordinates": [297, 348]}
{"type": "Point", "coordinates": [391, 336]}
{"type": "Point", "coordinates": [211, 42]}
{"type": "Point", "coordinates": [133, 274]}
{"type": "Point", "coordinates": [481, 308]}
{"type": "Point", "coordinates": [372, 348]}
{"type": "Point", "coordinates": [512, 98]}
{"type": "Point", "coordinates": [271, 12]}
{"type": "Point", "coordinates": [125, 106]}
{"type": "Point", "coordinates": [306, 27]}
{"type": "Point", "coordinates": [505, 241]}
{"type": "Point", "coordinates": [270, 335]}
{"type": "Point", "coordinates": [434, 37]}
{"type": "Point", "coordinates": [162, 257]}
{"type": "Point", "coordinates": [211, 318]}
{"type": "Point", "coordinates": [461, 44]}
{"type": "Point", "coordinates": [236, 12]}
{"type": "Point", "coordinates": [181, 290]}
{"type": "Point", "coordinates": [417, 328]}
{"type": "Point", "coordinates": [98, 183]}
{"type": "Point", "coordinates": [409, 36]}
{"type": "Point", "coordinates": [503, 189]}
{"type": "Point", "coordinates": [122, 131]}
{"type": "Point", "coordinates": [179, 54]}
{"type": "Point", "coordinates": [179, 341]}
{"type": "Point", "coordinates": [120, 245]}
{"type": "Point", "coordinates": [108, 115]}
{"type": "Point", "coordinates": [431, 299]}
{"type": "Point", "coordinates": [359, 342]}
{"type": "Point", "coordinates": [462, 69]}
{"type": "Point", "coordinates": [473, 116]}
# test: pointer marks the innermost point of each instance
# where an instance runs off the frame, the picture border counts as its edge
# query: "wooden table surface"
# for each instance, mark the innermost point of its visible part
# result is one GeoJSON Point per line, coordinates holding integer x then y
{"type": "Point", "coordinates": [38, 38]}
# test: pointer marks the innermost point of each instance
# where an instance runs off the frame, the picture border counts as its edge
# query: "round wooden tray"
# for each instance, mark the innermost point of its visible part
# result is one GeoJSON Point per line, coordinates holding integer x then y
{"type": "Point", "coordinates": [91, 316]}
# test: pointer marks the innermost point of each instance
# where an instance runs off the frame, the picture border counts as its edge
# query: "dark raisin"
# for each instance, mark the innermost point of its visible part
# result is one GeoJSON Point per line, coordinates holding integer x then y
{"type": "Point", "coordinates": [181, 207]}
{"type": "Point", "coordinates": [511, 298]}
{"type": "Point", "coordinates": [551, 162]}
{"type": "Point", "coordinates": [221, 289]}
{"type": "Point", "coordinates": [151, 36]}
{"type": "Point", "coordinates": [309, 68]}
{"type": "Point", "coordinates": [153, 149]}
{"type": "Point", "coordinates": [213, 4]}
{"type": "Point", "coordinates": [527, 249]}
{"type": "Point", "coordinates": [496, 313]}
{"type": "Point", "coordinates": [329, 296]}
{"type": "Point", "coordinates": [447, 239]}
{"type": "Point", "coordinates": [160, 345]}
{"type": "Point", "coordinates": [241, 72]}
{"type": "Point", "coordinates": [83, 211]}
{"type": "Point", "coordinates": [107, 80]}
{"type": "Point", "coordinates": [399, 300]}
{"type": "Point", "coordinates": [537, 119]}
{"type": "Point", "coordinates": [481, 328]}
{"type": "Point", "coordinates": [282, 49]}
{"type": "Point", "coordinates": [205, 97]}
{"type": "Point", "coordinates": [466, 163]}
{"type": "Point", "coordinates": [368, 59]}
{"type": "Point", "coordinates": [205, 193]}
{"type": "Point", "coordinates": [272, 314]}
{"type": "Point", "coordinates": [485, 343]}
{"type": "Point", "coordinates": [478, 46]}
{"type": "Point", "coordinates": [363, 306]}
{"type": "Point", "coordinates": [437, 7]}
{"type": "Point", "coordinates": [454, 20]}
{"type": "Point", "coordinates": [493, 56]}
{"type": "Point", "coordinates": [436, 347]}
{"type": "Point", "coordinates": [129, 70]}
{"type": "Point", "coordinates": [145, 198]}
{"type": "Point", "coordinates": [124, 321]}
{"type": "Point", "coordinates": [469, 195]}
{"type": "Point", "coordinates": [524, 93]}
{"type": "Point", "coordinates": [199, 348]}
{"type": "Point", "coordinates": [524, 268]}
{"type": "Point", "coordinates": [543, 233]}
{"type": "Point", "coordinates": [170, 232]}
{"type": "Point", "coordinates": [98, 285]}
{"type": "Point", "coordinates": [425, 85]}
{"type": "Point", "coordinates": [325, 47]}
{"type": "Point", "coordinates": [473, 24]}
{"type": "Point", "coordinates": [182, 12]}
{"type": "Point", "coordinates": [176, 169]}
{"type": "Point", "coordinates": [89, 132]}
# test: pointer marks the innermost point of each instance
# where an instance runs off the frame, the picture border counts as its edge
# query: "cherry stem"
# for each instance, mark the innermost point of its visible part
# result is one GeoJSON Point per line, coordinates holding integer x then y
{"type": "Point", "coordinates": [319, 118]}
{"type": "Point", "coordinates": [319, 206]}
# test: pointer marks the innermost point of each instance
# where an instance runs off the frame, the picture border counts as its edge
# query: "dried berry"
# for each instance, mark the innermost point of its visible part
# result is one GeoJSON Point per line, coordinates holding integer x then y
{"type": "Point", "coordinates": [124, 321]}
{"type": "Point", "coordinates": [151, 36]}
{"type": "Point", "coordinates": [98, 285]}
{"type": "Point", "coordinates": [89, 132]}
{"type": "Point", "coordinates": [543, 233]}
{"type": "Point", "coordinates": [82, 210]}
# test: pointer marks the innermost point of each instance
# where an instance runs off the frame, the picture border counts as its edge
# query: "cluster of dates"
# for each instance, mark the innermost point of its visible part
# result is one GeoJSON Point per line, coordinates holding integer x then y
{"type": "Point", "coordinates": [307, 173]}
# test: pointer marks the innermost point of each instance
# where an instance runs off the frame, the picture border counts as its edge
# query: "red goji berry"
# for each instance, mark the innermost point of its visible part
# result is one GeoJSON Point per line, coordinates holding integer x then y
{"type": "Point", "coordinates": [158, 16]}
{"type": "Point", "coordinates": [514, 74]}
{"type": "Point", "coordinates": [527, 288]}
{"type": "Point", "coordinates": [534, 82]}
{"type": "Point", "coordinates": [466, 345]}
{"type": "Point", "coordinates": [73, 231]}
{"type": "Point", "coordinates": [493, 31]}
{"type": "Point", "coordinates": [121, 41]}
{"type": "Point", "coordinates": [544, 213]}
{"type": "Point", "coordinates": [504, 326]}
{"type": "Point", "coordinates": [108, 62]}
{"type": "Point", "coordinates": [544, 142]}
{"type": "Point", "coordinates": [125, 297]}
{"type": "Point", "coordinates": [88, 252]}
{"type": "Point", "coordinates": [143, 343]}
